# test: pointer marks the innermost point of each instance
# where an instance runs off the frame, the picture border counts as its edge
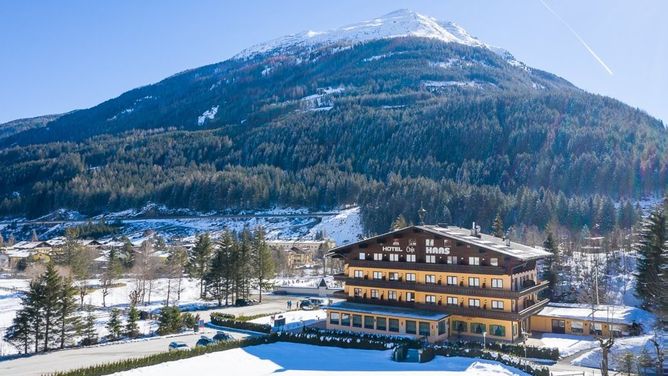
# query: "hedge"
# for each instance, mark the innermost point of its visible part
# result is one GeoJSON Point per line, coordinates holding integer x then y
{"type": "Point", "coordinates": [512, 349]}
{"type": "Point", "coordinates": [224, 320]}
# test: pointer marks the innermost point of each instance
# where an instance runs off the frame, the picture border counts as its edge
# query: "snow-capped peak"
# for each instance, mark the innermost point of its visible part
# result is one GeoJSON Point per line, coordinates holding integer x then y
{"type": "Point", "coordinates": [400, 23]}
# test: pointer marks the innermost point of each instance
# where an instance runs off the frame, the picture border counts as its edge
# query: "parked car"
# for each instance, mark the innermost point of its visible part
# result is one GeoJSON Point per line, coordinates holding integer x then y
{"type": "Point", "coordinates": [176, 346]}
{"type": "Point", "coordinates": [221, 336]}
{"type": "Point", "coordinates": [307, 305]}
{"type": "Point", "coordinates": [321, 302]}
{"type": "Point", "coordinates": [204, 341]}
{"type": "Point", "coordinates": [244, 302]}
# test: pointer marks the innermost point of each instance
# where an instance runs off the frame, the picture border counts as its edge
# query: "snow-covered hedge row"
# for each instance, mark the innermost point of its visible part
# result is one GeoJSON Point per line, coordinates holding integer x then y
{"type": "Point", "coordinates": [345, 339]}
{"type": "Point", "coordinates": [222, 319]}
{"type": "Point", "coordinates": [512, 349]}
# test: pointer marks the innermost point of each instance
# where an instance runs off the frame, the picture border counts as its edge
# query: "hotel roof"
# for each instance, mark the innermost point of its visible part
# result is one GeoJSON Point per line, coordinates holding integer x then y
{"type": "Point", "coordinates": [516, 250]}
{"type": "Point", "coordinates": [402, 312]}
{"type": "Point", "coordinates": [615, 314]}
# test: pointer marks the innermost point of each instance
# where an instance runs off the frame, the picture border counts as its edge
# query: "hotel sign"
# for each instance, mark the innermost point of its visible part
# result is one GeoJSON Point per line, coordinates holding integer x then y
{"type": "Point", "coordinates": [395, 247]}
{"type": "Point", "coordinates": [437, 250]}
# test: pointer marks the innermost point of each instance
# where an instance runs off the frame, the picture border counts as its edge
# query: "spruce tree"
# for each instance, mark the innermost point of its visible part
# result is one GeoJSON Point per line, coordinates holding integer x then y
{"type": "Point", "coordinates": [33, 305]}
{"type": "Point", "coordinates": [69, 320]}
{"type": "Point", "coordinates": [114, 325]}
{"type": "Point", "coordinates": [215, 277]}
{"type": "Point", "coordinates": [51, 300]}
{"type": "Point", "coordinates": [651, 249]}
{"type": "Point", "coordinates": [497, 226]}
{"type": "Point", "coordinates": [131, 328]}
{"type": "Point", "coordinates": [128, 253]}
{"type": "Point", "coordinates": [169, 320]}
{"type": "Point", "coordinates": [551, 265]}
{"type": "Point", "coordinates": [199, 258]}
{"type": "Point", "coordinates": [19, 333]}
{"type": "Point", "coordinates": [263, 262]}
{"type": "Point", "coordinates": [88, 331]}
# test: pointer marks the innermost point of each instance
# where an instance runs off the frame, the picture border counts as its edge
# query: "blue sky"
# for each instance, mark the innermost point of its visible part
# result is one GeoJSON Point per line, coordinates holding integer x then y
{"type": "Point", "coordinates": [57, 56]}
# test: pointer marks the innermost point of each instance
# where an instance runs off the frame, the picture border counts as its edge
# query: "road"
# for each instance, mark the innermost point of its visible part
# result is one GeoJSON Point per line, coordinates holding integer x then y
{"type": "Point", "coordinates": [88, 356]}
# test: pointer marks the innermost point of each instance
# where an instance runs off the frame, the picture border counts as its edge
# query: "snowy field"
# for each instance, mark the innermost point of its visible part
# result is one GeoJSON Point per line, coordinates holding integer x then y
{"type": "Point", "coordinates": [568, 344]}
{"type": "Point", "coordinates": [293, 359]}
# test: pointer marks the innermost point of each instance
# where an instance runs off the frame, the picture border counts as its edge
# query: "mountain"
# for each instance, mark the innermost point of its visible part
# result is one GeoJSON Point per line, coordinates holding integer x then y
{"type": "Point", "coordinates": [389, 114]}
{"type": "Point", "coordinates": [16, 126]}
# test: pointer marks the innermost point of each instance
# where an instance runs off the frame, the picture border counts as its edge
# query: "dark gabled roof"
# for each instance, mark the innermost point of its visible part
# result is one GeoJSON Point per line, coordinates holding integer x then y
{"type": "Point", "coordinates": [492, 243]}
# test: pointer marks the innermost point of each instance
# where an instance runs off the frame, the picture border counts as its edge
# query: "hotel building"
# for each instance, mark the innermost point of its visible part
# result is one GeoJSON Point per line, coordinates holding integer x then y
{"type": "Point", "coordinates": [438, 282]}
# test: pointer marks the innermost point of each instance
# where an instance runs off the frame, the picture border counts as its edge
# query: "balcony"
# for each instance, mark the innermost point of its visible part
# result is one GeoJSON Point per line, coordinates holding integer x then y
{"type": "Point", "coordinates": [456, 309]}
{"type": "Point", "coordinates": [444, 289]}
{"type": "Point", "coordinates": [402, 265]}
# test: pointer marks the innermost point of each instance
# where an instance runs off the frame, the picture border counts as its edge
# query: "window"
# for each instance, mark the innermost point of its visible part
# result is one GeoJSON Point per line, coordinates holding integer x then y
{"type": "Point", "coordinates": [474, 282]}
{"type": "Point", "coordinates": [451, 259]}
{"type": "Point", "coordinates": [598, 329]}
{"type": "Point", "coordinates": [429, 242]}
{"type": "Point", "coordinates": [430, 299]}
{"type": "Point", "coordinates": [617, 330]}
{"type": "Point", "coordinates": [368, 322]}
{"type": "Point", "coordinates": [411, 327]}
{"type": "Point", "coordinates": [378, 257]}
{"type": "Point", "coordinates": [377, 275]}
{"type": "Point", "coordinates": [451, 280]}
{"type": "Point", "coordinates": [474, 302]}
{"type": "Point", "coordinates": [494, 261]}
{"type": "Point", "coordinates": [424, 329]}
{"type": "Point", "coordinates": [357, 321]}
{"type": "Point", "coordinates": [477, 327]}
{"type": "Point", "coordinates": [460, 326]}
{"type": "Point", "coordinates": [474, 260]}
{"type": "Point", "coordinates": [410, 296]}
{"type": "Point", "coordinates": [393, 325]}
{"type": "Point", "coordinates": [577, 327]}
{"type": "Point", "coordinates": [357, 292]}
{"type": "Point", "coordinates": [497, 304]}
{"type": "Point", "coordinates": [334, 318]}
{"type": "Point", "coordinates": [431, 259]}
{"type": "Point", "coordinates": [442, 327]}
{"type": "Point", "coordinates": [362, 256]}
{"type": "Point", "coordinates": [392, 295]}
{"type": "Point", "coordinates": [394, 257]}
{"type": "Point", "coordinates": [497, 283]}
{"type": "Point", "coordinates": [381, 323]}
{"type": "Point", "coordinates": [410, 277]}
{"type": "Point", "coordinates": [358, 274]}
{"type": "Point", "coordinates": [452, 300]}
{"type": "Point", "coordinates": [393, 276]}
{"type": "Point", "coordinates": [374, 294]}
{"type": "Point", "coordinates": [410, 258]}
{"type": "Point", "coordinates": [345, 319]}
{"type": "Point", "coordinates": [497, 330]}
{"type": "Point", "coordinates": [430, 278]}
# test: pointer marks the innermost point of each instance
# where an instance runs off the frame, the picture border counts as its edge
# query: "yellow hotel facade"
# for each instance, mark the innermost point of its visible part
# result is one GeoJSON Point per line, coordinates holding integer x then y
{"type": "Point", "coordinates": [438, 282]}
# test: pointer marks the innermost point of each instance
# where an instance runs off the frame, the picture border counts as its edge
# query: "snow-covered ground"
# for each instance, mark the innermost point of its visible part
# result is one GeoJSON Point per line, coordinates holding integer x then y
{"type": "Point", "coordinates": [568, 344]}
{"type": "Point", "coordinates": [307, 360]}
{"type": "Point", "coordinates": [633, 345]}
{"type": "Point", "coordinates": [294, 319]}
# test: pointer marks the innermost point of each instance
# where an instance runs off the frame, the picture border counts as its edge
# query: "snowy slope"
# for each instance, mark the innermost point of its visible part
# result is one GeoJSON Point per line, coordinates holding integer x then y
{"type": "Point", "coordinates": [400, 23]}
{"type": "Point", "coordinates": [299, 359]}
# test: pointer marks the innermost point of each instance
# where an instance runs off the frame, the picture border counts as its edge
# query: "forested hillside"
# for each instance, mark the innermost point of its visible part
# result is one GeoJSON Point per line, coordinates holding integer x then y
{"type": "Point", "coordinates": [390, 124]}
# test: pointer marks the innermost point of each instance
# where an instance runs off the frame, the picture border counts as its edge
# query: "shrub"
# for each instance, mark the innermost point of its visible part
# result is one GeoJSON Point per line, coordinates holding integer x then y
{"type": "Point", "coordinates": [221, 320]}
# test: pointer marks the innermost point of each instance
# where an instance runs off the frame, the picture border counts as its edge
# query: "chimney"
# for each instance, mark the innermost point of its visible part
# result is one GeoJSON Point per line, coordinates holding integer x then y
{"type": "Point", "coordinates": [473, 229]}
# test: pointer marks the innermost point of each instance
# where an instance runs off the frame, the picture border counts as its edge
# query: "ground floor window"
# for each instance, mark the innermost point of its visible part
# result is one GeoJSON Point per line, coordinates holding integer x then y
{"type": "Point", "coordinates": [460, 326]}
{"type": "Point", "coordinates": [345, 319]}
{"type": "Point", "coordinates": [411, 327]}
{"type": "Point", "coordinates": [477, 327]}
{"type": "Point", "coordinates": [368, 322]}
{"type": "Point", "coordinates": [598, 329]}
{"type": "Point", "coordinates": [616, 330]}
{"type": "Point", "coordinates": [393, 325]}
{"type": "Point", "coordinates": [381, 323]}
{"type": "Point", "coordinates": [442, 327]}
{"type": "Point", "coordinates": [357, 321]}
{"type": "Point", "coordinates": [334, 318]}
{"type": "Point", "coordinates": [424, 329]}
{"type": "Point", "coordinates": [392, 295]}
{"type": "Point", "coordinates": [497, 330]}
{"type": "Point", "coordinates": [577, 327]}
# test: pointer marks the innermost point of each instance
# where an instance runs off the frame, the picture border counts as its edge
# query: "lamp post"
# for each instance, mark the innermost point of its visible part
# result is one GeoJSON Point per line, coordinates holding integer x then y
{"type": "Point", "coordinates": [484, 341]}
{"type": "Point", "coordinates": [525, 336]}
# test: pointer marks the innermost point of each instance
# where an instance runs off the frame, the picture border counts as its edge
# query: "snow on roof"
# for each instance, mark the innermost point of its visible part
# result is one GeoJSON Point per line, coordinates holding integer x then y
{"type": "Point", "coordinates": [388, 311]}
{"type": "Point", "coordinates": [17, 253]}
{"type": "Point", "coordinates": [616, 314]}
{"type": "Point", "coordinates": [516, 250]}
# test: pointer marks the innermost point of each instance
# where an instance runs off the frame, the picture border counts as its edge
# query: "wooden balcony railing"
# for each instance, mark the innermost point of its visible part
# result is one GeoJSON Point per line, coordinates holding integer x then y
{"type": "Point", "coordinates": [402, 265]}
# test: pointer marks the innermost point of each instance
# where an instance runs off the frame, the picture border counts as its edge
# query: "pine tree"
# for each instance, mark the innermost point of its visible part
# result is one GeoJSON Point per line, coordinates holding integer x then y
{"type": "Point", "coordinates": [399, 223]}
{"type": "Point", "coordinates": [551, 266]}
{"type": "Point", "coordinates": [69, 321]}
{"type": "Point", "coordinates": [33, 306]}
{"type": "Point", "coordinates": [169, 321]}
{"type": "Point", "coordinates": [215, 278]}
{"type": "Point", "coordinates": [131, 328]}
{"type": "Point", "coordinates": [88, 331]}
{"type": "Point", "coordinates": [114, 325]}
{"type": "Point", "coordinates": [111, 273]}
{"type": "Point", "coordinates": [651, 257]}
{"type": "Point", "coordinates": [51, 300]}
{"type": "Point", "coordinates": [263, 263]}
{"type": "Point", "coordinates": [128, 253]}
{"type": "Point", "coordinates": [198, 259]}
{"type": "Point", "coordinates": [497, 227]}
{"type": "Point", "coordinates": [20, 332]}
